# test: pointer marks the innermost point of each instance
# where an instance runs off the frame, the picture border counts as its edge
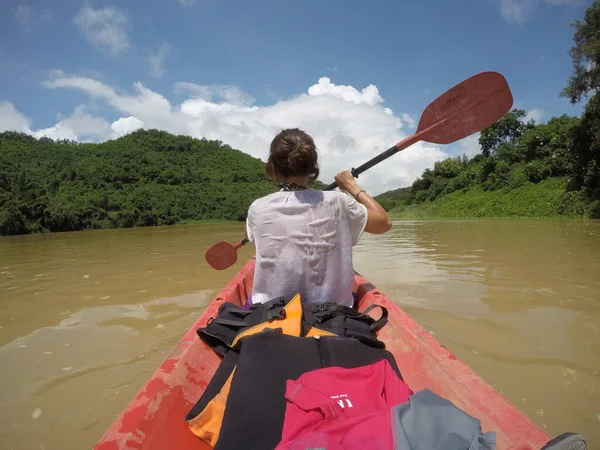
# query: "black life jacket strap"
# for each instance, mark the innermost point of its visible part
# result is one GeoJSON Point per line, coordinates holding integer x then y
{"type": "Point", "coordinates": [382, 321]}
{"type": "Point", "coordinates": [233, 323]}
{"type": "Point", "coordinates": [324, 311]}
{"type": "Point", "coordinates": [220, 332]}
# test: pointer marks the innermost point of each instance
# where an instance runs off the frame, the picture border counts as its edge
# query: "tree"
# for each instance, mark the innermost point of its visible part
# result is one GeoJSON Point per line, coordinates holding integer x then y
{"type": "Point", "coordinates": [585, 54]}
{"type": "Point", "coordinates": [584, 82]}
{"type": "Point", "coordinates": [448, 168]}
{"type": "Point", "coordinates": [507, 129]}
{"type": "Point", "coordinates": [586, 151]}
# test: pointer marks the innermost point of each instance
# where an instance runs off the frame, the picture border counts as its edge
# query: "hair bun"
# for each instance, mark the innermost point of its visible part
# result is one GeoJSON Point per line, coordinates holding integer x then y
{"type": "Point", "coordinates": [293, 152]}
{"type": "Point", "coordinates": [297, 158]}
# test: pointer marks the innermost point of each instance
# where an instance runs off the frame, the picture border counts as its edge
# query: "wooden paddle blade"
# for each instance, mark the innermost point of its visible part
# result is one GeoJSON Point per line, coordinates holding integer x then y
{"type": "Point", "coordinates": [221, 255]}
{"type": "Point", "coordinates": [468, 107]}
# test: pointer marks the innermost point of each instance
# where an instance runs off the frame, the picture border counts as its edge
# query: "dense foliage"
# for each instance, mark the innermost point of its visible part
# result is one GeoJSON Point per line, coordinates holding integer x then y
{"type": "Point", "coordinates": [392, 199]}
{"type": "Point", "coordinates": [585, 82]}
{"type": "Point", "coordinates": [145, 178]}
{"type": "Point", "coordinates": [585, 55]}
{"type": "Point", "coordinates": [516, 154]}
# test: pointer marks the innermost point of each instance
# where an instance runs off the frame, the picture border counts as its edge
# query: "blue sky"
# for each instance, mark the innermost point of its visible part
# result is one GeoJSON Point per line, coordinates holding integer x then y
{"type": "Point", "coordinates": [78, 61]}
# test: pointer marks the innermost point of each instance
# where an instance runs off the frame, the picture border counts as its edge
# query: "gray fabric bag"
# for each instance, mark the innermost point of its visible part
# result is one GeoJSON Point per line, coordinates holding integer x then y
{"type": "Point", "coordinates": [430, 422]}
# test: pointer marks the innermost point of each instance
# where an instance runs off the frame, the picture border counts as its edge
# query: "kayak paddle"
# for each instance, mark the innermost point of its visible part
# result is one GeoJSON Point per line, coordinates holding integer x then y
{"type": "Point", "coordinates": [223, 255]}
{"type": "Point", "coordinates": [468, 107]}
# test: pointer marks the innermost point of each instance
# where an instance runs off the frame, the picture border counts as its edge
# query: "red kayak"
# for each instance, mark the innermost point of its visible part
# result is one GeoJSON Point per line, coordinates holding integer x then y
{"type": "Point", "coordinates": [154, 418]}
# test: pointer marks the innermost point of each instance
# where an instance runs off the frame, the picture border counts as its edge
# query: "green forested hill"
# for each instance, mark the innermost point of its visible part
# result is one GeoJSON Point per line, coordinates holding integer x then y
{"type": "Point", "coordinates": [145, 178]}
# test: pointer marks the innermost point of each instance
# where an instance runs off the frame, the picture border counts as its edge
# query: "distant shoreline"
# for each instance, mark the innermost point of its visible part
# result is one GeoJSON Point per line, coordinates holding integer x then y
{"type": "Point", "coordinates": [543, 200]}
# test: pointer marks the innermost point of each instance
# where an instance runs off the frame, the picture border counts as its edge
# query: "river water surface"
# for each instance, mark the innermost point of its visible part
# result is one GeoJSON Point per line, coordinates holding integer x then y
{"type": "Point", "coordinates": [86, 317]}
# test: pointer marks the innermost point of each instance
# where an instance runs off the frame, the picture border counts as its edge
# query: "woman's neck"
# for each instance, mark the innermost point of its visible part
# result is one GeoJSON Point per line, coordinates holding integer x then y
{"type": "Point", "coordinates": [294, 183]}
{"type": "Point", "coordinates": [298, 180]}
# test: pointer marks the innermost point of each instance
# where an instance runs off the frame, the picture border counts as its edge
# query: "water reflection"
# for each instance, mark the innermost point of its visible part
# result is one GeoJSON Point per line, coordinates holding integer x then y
{"type": "Point", "coordinates": [86, 317]}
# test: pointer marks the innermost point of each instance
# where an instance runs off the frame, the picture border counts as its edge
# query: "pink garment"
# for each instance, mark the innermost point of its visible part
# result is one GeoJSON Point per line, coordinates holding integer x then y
{"type": "Point", "coordinates": [336, 408]}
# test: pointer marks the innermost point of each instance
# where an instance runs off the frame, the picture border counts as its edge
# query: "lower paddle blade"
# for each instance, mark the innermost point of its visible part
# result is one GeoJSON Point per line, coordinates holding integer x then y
{"type": "Point", "coordinates": [468, 107]}
{"type": "Point", "coordinates": [221, 255]}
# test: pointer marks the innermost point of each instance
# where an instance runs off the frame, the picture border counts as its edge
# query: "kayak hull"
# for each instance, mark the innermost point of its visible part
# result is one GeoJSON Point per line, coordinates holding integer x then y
{"type": "Point", "coordinates": [154, 418]}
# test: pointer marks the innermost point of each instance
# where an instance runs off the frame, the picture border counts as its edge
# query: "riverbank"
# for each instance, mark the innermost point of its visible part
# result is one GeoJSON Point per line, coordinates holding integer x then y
{"type": "Point", "coordinates": [205, 221]}
{"type": "Point", "coordinates": [547, 199]}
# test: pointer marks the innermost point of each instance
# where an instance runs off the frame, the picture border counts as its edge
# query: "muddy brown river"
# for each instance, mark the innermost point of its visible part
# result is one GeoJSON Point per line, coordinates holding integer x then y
{"type": "Point", "coordinates": [86, 317]}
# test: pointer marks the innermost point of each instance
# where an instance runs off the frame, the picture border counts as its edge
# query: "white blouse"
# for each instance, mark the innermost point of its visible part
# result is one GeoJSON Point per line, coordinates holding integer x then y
{"type": "Point", "coordinates": [304, 243]}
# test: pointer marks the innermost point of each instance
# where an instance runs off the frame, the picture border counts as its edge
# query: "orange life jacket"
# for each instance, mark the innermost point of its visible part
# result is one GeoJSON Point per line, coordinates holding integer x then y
{"type": "Point", "coordinates": [287, 318]}
{"type": "Point", "coordinates": [227, 331]}
{"type": "Point", "coordinates": [233, 324]}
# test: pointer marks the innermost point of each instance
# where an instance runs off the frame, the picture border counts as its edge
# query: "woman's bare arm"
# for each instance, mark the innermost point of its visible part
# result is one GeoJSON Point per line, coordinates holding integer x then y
{"type": "Point", "coordinates": [378, 220]}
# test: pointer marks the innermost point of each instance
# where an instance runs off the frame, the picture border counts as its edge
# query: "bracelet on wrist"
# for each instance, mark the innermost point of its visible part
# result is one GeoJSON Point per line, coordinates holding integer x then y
{"type": "Point", "coordinates": [359, 192]}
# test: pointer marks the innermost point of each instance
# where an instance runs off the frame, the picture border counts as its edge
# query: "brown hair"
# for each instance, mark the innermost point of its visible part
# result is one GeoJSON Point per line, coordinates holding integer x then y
{"type": "Point", "coordinates": [293, 152]}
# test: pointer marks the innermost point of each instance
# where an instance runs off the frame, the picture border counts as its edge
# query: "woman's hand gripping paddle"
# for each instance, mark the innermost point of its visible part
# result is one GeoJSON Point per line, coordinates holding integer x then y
{"type": "Point", "coordinates": [467, 108]}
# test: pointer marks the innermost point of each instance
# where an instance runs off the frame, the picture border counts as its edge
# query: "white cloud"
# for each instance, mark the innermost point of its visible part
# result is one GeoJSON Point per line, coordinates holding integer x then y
{"type": "Point", "coordinates": [125, 125]}
{"type": "Point", "coordinates": [196, 90]}
{"type": "Point", "coordinates": [564, 2]}
{"type": "Point", "coordinates": [27, 17]}
{"type": "Point", "coordinates": [369, 95]}
{"type": "Point", "coordinates": [156, 60]}
{"type": "Point", "coordinates": [78, 126]}
{"type": "Point", "coordinates": [536, 114]}
{"type": "Point", "coordinates": [519, 11]}
{"type": "Point", "coordinates": [13, 120]}
{"type": "Point", "coordinates": [410, 121]}
{"type": "Point", "coordinates": [469, 146]}
{"type": "Point", "coordinates": [348, 125]}
{"type": "Point", "coordinates": [186, 3]}
{"type": "Point", "coordinates": [215, 93]}
{"type": "Point", "coordinates": [144, 103]}
{"type": "Point", "coordinates": [105, 28]}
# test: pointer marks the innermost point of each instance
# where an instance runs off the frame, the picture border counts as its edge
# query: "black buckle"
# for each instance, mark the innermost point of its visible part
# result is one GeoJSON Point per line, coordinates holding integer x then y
{"type": "Point", "coordinates": [321, 307]}
{"type": "Point", "coordinates": [320, 312]}
{"type": "Point", "coordinates": [276, 303]}
{"type": "Point", "coordinates": [278, 315]}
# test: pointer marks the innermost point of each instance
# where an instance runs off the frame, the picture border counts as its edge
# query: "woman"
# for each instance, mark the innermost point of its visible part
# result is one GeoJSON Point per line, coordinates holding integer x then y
{"type": "Point", "coordinates": [304, 237]}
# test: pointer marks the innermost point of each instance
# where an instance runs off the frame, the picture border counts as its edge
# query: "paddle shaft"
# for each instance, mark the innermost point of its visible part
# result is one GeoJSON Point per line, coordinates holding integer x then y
{"type": "Point", "coordinates": [404, 143]}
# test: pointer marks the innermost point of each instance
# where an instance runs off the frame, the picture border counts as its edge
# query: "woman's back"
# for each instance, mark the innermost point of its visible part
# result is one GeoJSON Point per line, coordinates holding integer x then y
{"type": "Point", "coordinates": [303, 237]}
{"type": "Point", "coordinates": [304, 245]}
